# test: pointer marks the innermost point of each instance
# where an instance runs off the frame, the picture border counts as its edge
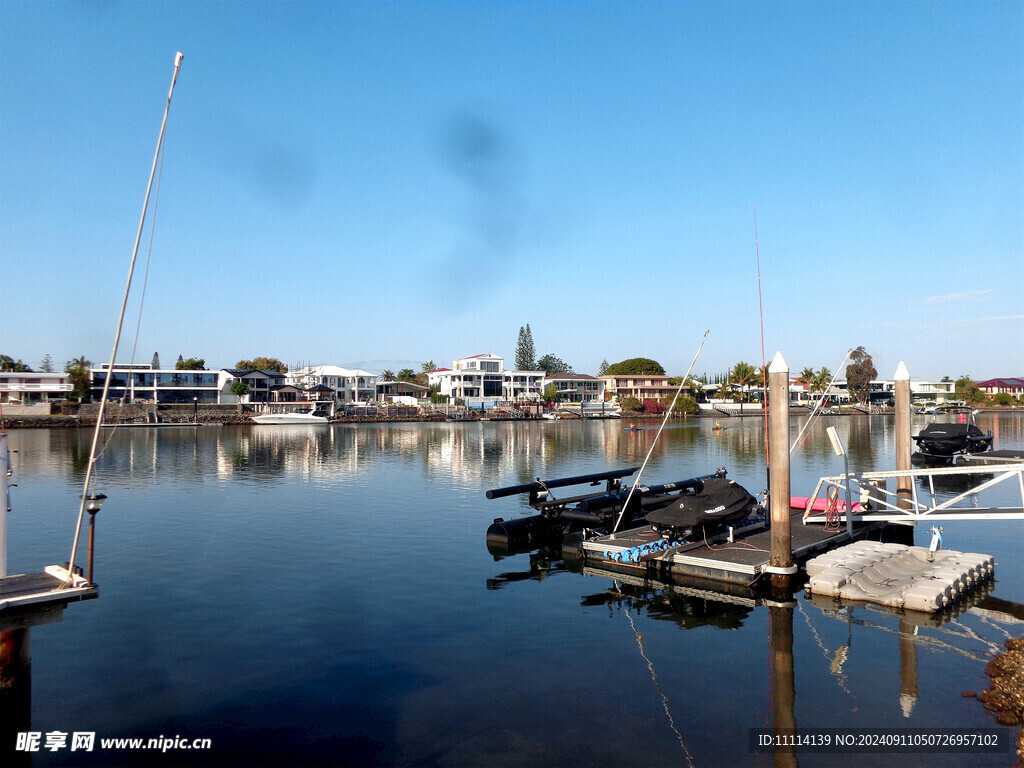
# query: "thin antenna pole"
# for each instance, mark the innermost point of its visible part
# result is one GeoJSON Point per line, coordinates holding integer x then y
{"type": "Point", "coordinates": [622, 512]}
{"type": "Point", "coordinates": [764, 368]}
{"type": "Point", "coordinates": [120, 321]}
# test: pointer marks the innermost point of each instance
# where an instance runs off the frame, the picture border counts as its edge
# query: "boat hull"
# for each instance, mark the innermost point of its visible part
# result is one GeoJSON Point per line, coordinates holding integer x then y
{"type": "Point", "coordinates": [289, 418]}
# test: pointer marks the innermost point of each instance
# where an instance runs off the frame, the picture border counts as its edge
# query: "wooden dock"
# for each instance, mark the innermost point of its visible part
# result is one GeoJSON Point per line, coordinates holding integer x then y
{"type": "Point", "coordinates": [29, 599]}
{"type": "Point", "coordinates": [742, 561]}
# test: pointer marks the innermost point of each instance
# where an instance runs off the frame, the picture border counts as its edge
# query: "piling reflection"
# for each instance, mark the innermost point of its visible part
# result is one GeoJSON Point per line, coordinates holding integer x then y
{"type": "Point", "coordinates": [15, 695]}
{"type": "Point", "coordinates": [783, 683]}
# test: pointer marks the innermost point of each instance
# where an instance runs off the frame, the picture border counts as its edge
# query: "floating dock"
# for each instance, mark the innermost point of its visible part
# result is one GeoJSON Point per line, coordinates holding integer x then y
{"type": "Point", "coordinates": [898, 576]}
{"type": "Point", "coordinates": [742, 560]}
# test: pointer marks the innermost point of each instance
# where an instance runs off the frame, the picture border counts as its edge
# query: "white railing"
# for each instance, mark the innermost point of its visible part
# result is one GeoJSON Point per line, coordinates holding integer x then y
{"type": "Point", "coordinates": [55, 387]}
{"type": "Point", "coordinates": [866, 485]}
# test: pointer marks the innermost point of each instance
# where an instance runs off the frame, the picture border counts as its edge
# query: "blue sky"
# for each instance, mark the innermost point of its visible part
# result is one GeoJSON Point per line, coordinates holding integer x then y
{"type": "Point", "coordinates": [381, 184]}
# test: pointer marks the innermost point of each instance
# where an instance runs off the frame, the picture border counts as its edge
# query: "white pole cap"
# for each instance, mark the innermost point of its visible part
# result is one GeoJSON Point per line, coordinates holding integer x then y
{"type": "Point", "coordinates": [902, 374]}
{"type": "Point", "coordinates": [778, 364]}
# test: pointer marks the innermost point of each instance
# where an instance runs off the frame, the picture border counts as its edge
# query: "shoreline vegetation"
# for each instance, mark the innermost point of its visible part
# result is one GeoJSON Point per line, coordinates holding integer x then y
{"type": "Point", "coordinates": [230, 415]}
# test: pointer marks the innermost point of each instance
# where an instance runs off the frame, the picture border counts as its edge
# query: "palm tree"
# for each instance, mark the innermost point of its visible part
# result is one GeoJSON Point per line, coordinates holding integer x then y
{"type": "Point", "coordinates": [387, 375]}
{"type": "Point", "coordinates": [78, 372]}
{"type": "Point", "coordinates": [821, 380]}
{"type": "Point", "coordinates": [806, 377]}
{"type": "Point", "coordinates": [407, 374]}
{"type": "Point", "coordinates": [744, 375]}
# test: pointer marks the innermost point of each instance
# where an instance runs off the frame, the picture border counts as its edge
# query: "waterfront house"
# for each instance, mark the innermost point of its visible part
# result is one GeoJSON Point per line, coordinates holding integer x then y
{"type": "Point", "coordinates": [641, 386]}
{"type": "Point", "coordinates": [27, 387]}
{"type": "Point", "coordinates": [264, 386]}
{"type": "Point", "coordinates": [404, 392]}
{"type": "Point", "coordinates": [348, 385]}
{"type": "Point", "coordinates": [139, 382]}
{"type": "Point", "coordinates": [1011, 386]}
{"type": "Point", "coordinates": [575, 387]}
{"type": "Point", "coordinates": [483, 377]}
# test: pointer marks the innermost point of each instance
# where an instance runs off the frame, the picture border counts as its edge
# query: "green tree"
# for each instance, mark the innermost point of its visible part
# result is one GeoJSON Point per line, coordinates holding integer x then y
{"type": "Point", "coordinates": [525, 351]}
{"type": "Point", "coordinates": [407, 374]}
{"type": "Point", "coordinates": [860, 372]}
{"type": "Point", "coordinates": [387, 375]}
{"type": "Point", "coordinates": [239, 389]}
{"type": "Point", "coordinates": [968, 390]}
{"type": "Point", "coordinates": [47, 365]}
{"type": "Point", "coordinates": [631, 404]}
{"type": "Point", "coordinates": [78, 373]}
{"type": "Point", "coordinates": [636, 366]}
{"type": "Point", "coordinates": [602, 370]}
{"type": "Point", "coordinates": [155, 364]}
{"type": "Point", "coordinates": [552, 364]}
{"type": "Point", "coordinates": [10, 364]}
{"type": "Point", "coordinates": [192, 364]}
{"type": "Point", "coordinates": [262, 364]}
{"type": "Point", "coordinates": [1002, 398]}
{"type": "Point", "coordinates": [550, 393]}
{"type": "Point", "coordinates": [429, 366]}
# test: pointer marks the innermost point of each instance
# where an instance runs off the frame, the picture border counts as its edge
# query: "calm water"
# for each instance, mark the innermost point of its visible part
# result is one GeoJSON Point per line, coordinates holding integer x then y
{"type": "Point", "coordinates": [324, 596]}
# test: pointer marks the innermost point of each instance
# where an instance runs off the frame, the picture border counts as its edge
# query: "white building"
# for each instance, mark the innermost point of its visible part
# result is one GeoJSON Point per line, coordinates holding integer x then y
{"type": "Point", "coordinates": [24, 387]}
{"type": "Point", "coordinates": [483, 377]}
{"type": "Point", "coordinates": [349, 385]}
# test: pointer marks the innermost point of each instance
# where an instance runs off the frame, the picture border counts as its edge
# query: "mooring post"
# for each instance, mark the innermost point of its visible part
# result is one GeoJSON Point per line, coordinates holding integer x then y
{"type": "Point", "coordinates": [5, 500]}
{"type": "Point", "coordinates": [904, 492]}
{"type": "Point", "coordinates": [780, 561]}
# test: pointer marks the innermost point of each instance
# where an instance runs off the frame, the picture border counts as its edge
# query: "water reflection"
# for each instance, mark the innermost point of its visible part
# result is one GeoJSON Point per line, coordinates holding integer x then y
{"type": "Point", "coordinates": [686, 607]}
{"type": "Point", "coordinates": [218, 554]}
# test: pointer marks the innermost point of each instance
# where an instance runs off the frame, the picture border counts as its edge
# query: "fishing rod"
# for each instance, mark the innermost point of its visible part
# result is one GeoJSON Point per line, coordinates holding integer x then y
{"type": "Point", "coordinates": [632, 489]}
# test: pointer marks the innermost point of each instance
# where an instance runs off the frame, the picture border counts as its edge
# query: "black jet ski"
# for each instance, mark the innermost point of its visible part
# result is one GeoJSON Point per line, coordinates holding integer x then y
{"type": "Point", "coordinates": [703, 510]}
{"type": "Point", "coordinates": [946, 440]}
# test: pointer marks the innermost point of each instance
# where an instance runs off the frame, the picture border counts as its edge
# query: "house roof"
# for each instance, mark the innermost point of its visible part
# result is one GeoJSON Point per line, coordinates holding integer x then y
{"type": "Point", "coordinates": [569, 376]}
{"type": "Point", "coordinates": [439, 370]}
{"type": "Point", "coordinates": [1011, 382]}
{"type": "Point", "coordinates": [238, 372]}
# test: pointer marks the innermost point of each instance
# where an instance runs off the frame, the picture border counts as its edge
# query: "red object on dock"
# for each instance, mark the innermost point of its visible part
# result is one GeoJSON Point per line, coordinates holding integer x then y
{"type": "Point", "coordinates": [819, 505]}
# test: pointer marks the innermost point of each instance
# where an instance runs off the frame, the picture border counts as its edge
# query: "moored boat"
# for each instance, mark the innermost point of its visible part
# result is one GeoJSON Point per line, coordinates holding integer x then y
{"type": "Point", "coordinates": [948, 439]}
{"type": "Point", "coordinates": [293, 417]}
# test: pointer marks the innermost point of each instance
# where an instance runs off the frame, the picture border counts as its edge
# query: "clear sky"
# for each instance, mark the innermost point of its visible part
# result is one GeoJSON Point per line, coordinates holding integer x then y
{"type": "Point", "coordinates": [379, 184]}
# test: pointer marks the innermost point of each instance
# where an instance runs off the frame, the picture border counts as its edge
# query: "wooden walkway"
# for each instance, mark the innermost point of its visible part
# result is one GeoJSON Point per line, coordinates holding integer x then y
{"type": "Point", "coordinates": [742, 561]}
{"type": "Point", "coordinates": [27, 597]}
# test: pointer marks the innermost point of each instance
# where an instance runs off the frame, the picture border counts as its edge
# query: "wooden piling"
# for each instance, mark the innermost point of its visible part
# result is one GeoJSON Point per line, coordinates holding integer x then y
{"type": "Point", "coordinates": [780, 562]}
{"type": "Point", "coordinates": [904, 491]}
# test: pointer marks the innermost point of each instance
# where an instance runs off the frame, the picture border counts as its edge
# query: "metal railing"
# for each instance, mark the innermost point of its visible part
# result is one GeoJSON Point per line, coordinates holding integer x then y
{"type": "Point", "coordinates": [891, 507]}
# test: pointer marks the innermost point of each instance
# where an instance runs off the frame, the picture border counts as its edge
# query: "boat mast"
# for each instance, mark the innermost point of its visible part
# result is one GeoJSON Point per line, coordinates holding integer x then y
{"type": "Point", "coordinates": [120, 322]}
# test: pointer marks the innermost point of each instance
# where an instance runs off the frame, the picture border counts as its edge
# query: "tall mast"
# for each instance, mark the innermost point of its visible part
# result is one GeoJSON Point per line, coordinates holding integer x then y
{"type": "Point", "coordinates": [120, 322]}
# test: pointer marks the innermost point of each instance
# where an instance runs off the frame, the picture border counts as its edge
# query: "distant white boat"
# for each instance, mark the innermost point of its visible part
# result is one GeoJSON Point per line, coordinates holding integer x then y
{"type": "Point", "coordinates": [295, 417]}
